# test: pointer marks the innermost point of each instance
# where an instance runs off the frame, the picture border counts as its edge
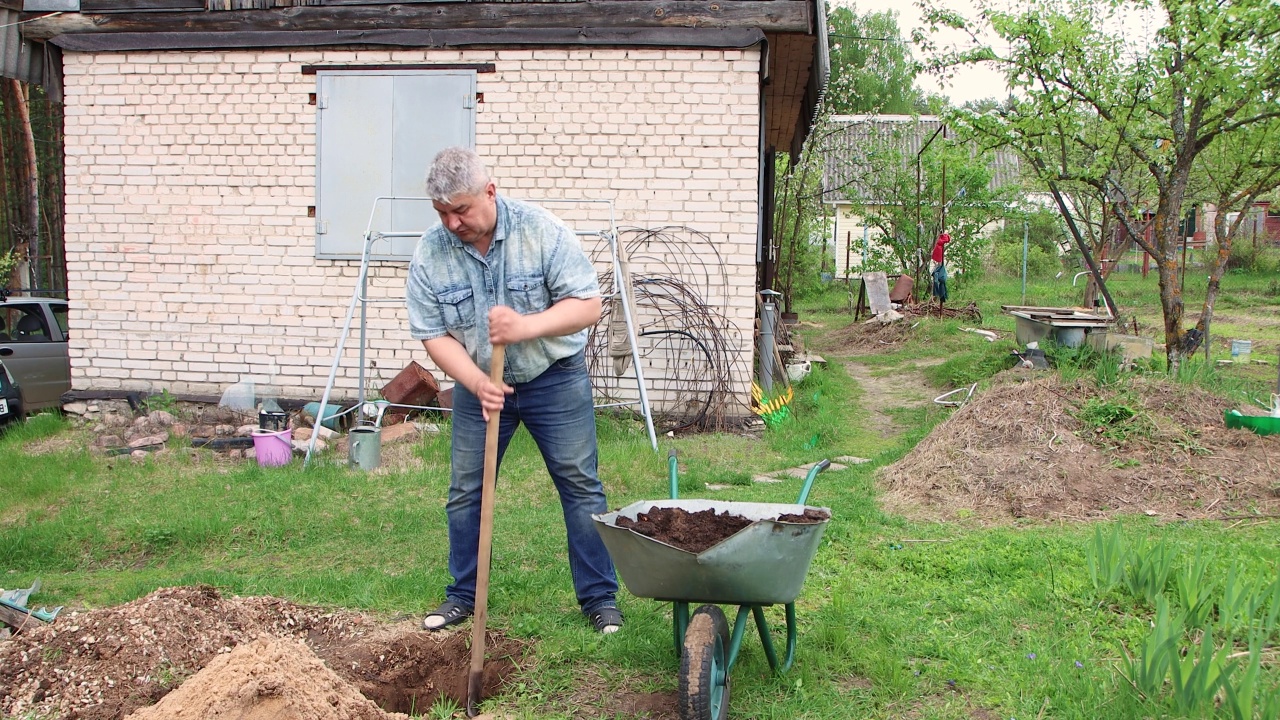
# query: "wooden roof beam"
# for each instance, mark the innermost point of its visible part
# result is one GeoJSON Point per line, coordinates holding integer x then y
{"type": "Point", "coordinates": [770, 15]}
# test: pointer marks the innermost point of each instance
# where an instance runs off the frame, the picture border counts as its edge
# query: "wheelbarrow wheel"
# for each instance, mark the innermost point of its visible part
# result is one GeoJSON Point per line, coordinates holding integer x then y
{"type": "Point", "coordinates": [704, 671]}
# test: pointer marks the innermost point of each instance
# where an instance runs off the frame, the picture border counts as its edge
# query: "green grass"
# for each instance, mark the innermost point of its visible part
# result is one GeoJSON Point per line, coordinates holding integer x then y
{"type": "Point", "coordinates": [897, 618]}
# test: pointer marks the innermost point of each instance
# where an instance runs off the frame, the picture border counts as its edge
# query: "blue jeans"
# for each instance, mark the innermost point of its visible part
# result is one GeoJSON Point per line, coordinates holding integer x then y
{"type": "Point", "coordinates": [557, 409]}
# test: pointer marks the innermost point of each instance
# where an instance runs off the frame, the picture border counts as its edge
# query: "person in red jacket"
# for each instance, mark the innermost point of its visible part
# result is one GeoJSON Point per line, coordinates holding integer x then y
{"type": "Point", "coordinates": [939, 247]}
{"type": "Point", "coordinates": [940, 268]}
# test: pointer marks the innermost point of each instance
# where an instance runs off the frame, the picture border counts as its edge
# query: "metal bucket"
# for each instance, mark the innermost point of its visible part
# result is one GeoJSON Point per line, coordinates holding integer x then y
{"type": "Point", "coordinates": [763, 564]}
{"type": "Point", "coordinates": [366, 447]}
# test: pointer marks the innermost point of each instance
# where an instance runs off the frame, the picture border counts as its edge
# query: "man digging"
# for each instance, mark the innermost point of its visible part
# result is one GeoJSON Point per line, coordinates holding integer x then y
{"type": "Point", "coordinates": [499, 271]}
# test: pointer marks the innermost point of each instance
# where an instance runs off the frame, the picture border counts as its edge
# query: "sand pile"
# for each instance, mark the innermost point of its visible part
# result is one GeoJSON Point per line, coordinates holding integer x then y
{"type": "Point", "coordinates": [267, 679]}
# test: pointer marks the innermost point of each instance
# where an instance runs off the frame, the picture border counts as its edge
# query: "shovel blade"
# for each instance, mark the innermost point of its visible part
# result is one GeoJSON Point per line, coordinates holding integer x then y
{"type": "Point", "coordinates": [475, 682]}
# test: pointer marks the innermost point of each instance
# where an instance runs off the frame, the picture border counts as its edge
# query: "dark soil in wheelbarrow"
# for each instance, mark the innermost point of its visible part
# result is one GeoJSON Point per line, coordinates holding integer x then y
{"type": "Point", "coordinates": [698, 531]}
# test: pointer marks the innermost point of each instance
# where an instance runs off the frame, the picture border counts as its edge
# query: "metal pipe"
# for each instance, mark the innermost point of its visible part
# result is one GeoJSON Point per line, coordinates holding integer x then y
{"type": "Point", "coordinates": [1024, 262]}
{"type": "Point", "coordinates": [767, 320]}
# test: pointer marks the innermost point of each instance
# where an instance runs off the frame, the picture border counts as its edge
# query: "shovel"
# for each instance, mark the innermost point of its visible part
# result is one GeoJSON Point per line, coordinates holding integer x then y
{"type": "Point", "coordinates": [475, 680]}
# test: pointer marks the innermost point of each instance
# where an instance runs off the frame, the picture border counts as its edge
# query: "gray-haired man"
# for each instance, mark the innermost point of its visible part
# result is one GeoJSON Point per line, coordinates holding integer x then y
{"type": "Point", "coordinates": [501, 271]}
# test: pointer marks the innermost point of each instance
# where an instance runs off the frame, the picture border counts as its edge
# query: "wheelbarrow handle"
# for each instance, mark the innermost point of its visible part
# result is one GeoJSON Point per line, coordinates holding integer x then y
{"type": "Point", "coordinates": [808, 480]}
{"type": "Point", "coordinates": [672, 473]}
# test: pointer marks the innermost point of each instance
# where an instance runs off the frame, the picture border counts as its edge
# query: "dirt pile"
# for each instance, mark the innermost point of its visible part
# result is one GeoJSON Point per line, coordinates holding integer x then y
{"type": "Point", "coordinates": [104, 664]}
{"type": "Point", "coordinates": [1042, 448]}
{"type": "Point", "coordinates": [267, 679]}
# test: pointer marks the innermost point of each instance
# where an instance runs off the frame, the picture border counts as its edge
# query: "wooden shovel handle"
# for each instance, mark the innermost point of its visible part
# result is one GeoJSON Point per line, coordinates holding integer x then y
{"type": "Point", "coordinates": [475, 680]}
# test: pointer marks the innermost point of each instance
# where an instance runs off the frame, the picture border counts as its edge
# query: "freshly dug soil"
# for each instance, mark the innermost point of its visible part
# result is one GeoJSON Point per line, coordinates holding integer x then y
{"type": "Point", "coordinates": [246, 657]}
{"type": "Point", "coordinates": [698, 531]}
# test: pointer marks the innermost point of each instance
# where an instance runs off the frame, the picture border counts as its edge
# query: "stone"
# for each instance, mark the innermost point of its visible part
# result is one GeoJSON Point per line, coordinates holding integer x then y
{"type": "Point", "coordinates": [112, 419]}
{"type": "Point", "coordinates": [76, 408]}
{"type": "Point", "coordinates": [108, 441]}
{"type": "Point", "coordinates": [246, 430]}
{"type": "Point", "coordinates": [138, 456]}
{"type": "Point", "coordinates": [852, 460]}
{"type": "Point", "coordinates": [160, 418]}
{"type": "Point", "coordinates": [399, 433]}
{"type": "Point", "coordinates": [149, 440]}
{"type": "Point", "coordinates": [225, 430]}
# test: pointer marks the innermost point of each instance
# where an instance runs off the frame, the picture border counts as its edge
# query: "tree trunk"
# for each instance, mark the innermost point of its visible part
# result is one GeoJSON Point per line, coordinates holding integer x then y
{"type": "Point", "coordinates": [1171, 303]}
{"type": "Point", "coordinates": [30, 175]}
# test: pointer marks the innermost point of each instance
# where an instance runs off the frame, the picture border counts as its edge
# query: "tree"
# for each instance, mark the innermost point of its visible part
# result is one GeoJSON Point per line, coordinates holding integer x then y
{"type": "Point", "coordinates": [1090, 100]}
{"type": "Point", "coordinates": [872, 70]}
{"type": "Point", "coordinates": [911, 182]}
{"type": "Point", "coordinates": [31, 206]}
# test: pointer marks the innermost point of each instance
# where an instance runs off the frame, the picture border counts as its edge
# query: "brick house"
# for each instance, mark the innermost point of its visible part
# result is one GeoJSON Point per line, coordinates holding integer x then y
{"type": "Point", "coordinates": [222, 158]}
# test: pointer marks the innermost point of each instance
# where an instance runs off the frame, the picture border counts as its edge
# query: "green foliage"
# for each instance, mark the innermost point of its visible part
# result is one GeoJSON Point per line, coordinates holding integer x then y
{"type": "Point", "coordinates": [1196, 590]}
{"type": "Point", "coordinates": [1149, 668]}
{"type": "Point", "coordinates": [969, 366]}
{"type": "Point", "coordinates": [1106, 558]}
{"type": "Point", "coordinates": [954, 182]}
{"type": "Point", "coordinates": [1096, 106]}
{"type": "Point", "coordinates": [1148, 569]}
{"type": "Point", "coordinates": [871, 66]}
{"type": "Point", "coordinates": [163, 400]}
{"type": "Point", "coordinates": [1188, 655]}
{"type": "Point", "coordinates": [1253, 255]}
{"type": "Point", "coordinates": [798, 224]}
{"type": "Point", "coordinates": [1007, 259]}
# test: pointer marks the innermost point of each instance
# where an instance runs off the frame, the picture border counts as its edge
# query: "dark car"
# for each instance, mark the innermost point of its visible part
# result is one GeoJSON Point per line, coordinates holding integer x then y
{"type": "Point", "coordinates": [33, 345]}
{"type": "Point", "coordinates": [10, 398]}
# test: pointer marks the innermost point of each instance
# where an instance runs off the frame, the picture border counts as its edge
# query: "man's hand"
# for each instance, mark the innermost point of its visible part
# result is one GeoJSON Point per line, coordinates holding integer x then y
{"type": "Point", "coordinates": [492, 397]}
{"type": "Point", "coordinates": [508, 327]}
{"type": "Point", "coordinates": [565, 317]}
{"type": "Point", "coordinates": [449, 355]}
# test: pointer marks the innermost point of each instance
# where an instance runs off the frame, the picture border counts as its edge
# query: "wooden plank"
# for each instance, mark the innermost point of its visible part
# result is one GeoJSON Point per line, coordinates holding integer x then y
{"type": "Point", "coordinates": [772, 15]}
{"type": "Point", "coordinates": [478, 67]}
{"type": "Point", "coordinates": [114, 6]}
{"type": "Point", "coordinates": [586, 37]}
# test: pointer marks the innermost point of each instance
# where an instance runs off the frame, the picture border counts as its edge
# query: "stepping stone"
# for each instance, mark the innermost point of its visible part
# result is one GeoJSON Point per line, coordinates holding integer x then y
{"type": "Point", "coordinates": [852, 460]}
{"type": "Point", "coordinates": [767, 479]}
{"type": "Point", "coordinates": [802, 471]}
{"type": "Point", "coordinates": [717, 486]}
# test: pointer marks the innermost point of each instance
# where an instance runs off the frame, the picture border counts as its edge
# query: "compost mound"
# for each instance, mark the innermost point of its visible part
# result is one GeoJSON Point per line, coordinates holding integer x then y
{"type": "Point", "coordinates": [244, 657]}
{"type": "Point", "coordinates": [1032, 448]}
{"type": "Point", "coordinates": [698, 531]}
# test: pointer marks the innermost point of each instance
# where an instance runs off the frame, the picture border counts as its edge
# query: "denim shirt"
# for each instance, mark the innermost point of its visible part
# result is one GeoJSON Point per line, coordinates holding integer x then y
{"type": "Point", "coordinates": [534, 261]}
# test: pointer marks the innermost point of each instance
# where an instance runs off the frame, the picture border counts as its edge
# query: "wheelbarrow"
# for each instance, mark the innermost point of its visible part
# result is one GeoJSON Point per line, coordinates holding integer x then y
{"type": "Point", "coordinates": [762, 564]}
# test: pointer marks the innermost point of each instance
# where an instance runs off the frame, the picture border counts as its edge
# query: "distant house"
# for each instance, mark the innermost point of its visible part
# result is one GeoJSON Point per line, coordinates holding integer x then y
{"type": "Point", "coordinates": [856, 156]}
{"type": "Point", "coordinates": [223, 156]}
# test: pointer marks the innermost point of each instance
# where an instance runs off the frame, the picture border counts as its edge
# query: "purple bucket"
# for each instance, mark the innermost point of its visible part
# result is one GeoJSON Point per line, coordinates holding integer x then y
{"type": "Point", "coordinates": [273, 447]}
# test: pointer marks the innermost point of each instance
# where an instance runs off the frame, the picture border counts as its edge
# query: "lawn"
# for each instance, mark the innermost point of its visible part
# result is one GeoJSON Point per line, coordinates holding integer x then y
{"type": "Point", "coordinates": [899, 618]}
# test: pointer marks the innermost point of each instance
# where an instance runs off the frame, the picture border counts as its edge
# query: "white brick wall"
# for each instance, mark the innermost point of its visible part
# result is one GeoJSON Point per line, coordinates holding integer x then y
{"type": "Point", "coordinates": [190, 255]}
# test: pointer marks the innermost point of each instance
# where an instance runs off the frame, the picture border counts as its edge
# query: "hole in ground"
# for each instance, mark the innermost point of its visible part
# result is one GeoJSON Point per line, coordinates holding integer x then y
{"type": "Point", "coordinates": [410, 673]}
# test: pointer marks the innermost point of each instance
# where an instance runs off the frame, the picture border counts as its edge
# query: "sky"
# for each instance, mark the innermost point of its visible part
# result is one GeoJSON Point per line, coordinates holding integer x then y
{"type": "Point", "coordinates": [973, 82]}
